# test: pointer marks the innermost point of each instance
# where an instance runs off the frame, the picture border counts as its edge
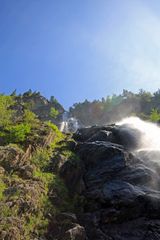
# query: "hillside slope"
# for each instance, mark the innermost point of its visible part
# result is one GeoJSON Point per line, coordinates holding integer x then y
{"type": "Point", "coordinates": [34, 200]}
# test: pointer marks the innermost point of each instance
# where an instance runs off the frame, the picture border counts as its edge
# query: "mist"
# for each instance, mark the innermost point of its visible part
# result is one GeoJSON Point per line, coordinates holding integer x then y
{"type": "Point", "coordinates": [147, 137]}
{"type": "Point", "coordinates": [149, 133]}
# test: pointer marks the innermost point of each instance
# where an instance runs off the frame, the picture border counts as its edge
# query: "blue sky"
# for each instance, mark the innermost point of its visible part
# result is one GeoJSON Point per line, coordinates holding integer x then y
{"type": "Point", "coordinates": [79, 49]}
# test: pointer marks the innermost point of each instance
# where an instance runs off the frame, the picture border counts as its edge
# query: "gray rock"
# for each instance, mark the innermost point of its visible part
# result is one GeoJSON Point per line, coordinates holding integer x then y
{"type": "Point", "coordinates": [76, 233]}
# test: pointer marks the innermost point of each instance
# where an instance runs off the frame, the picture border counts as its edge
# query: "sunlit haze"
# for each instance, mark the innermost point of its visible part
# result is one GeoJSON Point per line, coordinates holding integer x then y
{"type": "Point", "coordinates": [150, 133]}
{"type": "Point", "coordinates": [77, 50]}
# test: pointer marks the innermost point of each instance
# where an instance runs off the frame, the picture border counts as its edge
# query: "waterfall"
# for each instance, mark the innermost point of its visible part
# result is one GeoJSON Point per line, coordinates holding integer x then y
{"type": "Point", "coordinates": [150, 133]}
{"type": "Point", "coordinates": [68, 124]}
{"type": "Point", "coordinates": [148, 140]}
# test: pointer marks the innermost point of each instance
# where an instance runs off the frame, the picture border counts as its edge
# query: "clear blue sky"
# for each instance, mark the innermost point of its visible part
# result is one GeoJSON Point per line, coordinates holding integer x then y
{"type": "Point", "coordinates": [78, 49]}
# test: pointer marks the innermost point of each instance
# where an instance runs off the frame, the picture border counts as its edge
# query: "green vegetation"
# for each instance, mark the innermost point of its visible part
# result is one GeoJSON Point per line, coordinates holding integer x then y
{"type": "Point", "coordinates": [7, 114]}
{"type": "Point", "coordinates": [9, 129]}
{"type": "Point", "coordinates": [30, 118]}
{"type": "Point", "coordinates": [115, 107]}
{"type": "Point", "coordinates": [53, 100]}
{"type": "Point", "coordinates": [2, 188]}
{"type": "Point", "coordinates": [58, 135]}
{"type": "Point", "coordinates": [15, 126]}
{"type": "Point", "coordinates": [30, 194]}
{"type": "Point", "coordinates": [32, 150]}
{"type": "Point", "coordinates": [17, 133]}
{"type": "Point", "coordinates": [40, 158]}
{"type": "Point", "coordinates": [54, 113]}
{"type": "Point", "coordinates": [43, 194]}
{"type": "Point", "coordinates": [155, 115]}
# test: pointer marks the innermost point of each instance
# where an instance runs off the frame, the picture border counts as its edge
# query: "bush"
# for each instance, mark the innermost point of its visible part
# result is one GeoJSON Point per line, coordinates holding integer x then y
{"type": "Point", "coordinates": [41, 158]}
{"type": "Point", "coordinates": [58, 135]}
{"type": "Point", "coordinates": [2, 188]}
{"type": "Point", "coordinates": [30, 118]}
{"type": "Point", "coordinates": [155, 115]}
{"type": "Point", "coordinates": [18, 133]}
{"type": "Point", "coordinates": [53, 112]}
{"type": "Point", "coordinates": [6, 113]}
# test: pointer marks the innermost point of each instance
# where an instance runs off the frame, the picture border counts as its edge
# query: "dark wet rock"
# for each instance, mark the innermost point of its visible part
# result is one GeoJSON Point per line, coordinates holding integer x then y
{"type": "Point", "coordinates": [97, 153]}
{"type": "Point", "coordinates": [71, 145]}
{"type": "Point", "coordinates": [72, 174]}
{"type": "Point", "coordinates": [124, 135]}
{"type": "Point", "coordinates": [122, 188]}
{"type": "Point", "coordinates": [102, 135]}
{"type": "Point", "coordinates": [67, 216]}
{"type": "Point", "coordinates": [85, 134]}
{"type": "Point", "coordinates": [127, 136]}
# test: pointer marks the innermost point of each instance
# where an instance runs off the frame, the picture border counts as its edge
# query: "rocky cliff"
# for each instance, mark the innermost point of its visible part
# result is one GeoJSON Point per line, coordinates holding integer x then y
{"type": "Point", "coordinates": [120, 187]}
{"type": "Point", "coordinates": [100, 183]}
{"type": "Point", "coordinates": [40, 105]}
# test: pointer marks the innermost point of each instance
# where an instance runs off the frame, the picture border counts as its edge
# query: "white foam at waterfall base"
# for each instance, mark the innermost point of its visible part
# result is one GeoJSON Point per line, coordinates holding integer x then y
{"type": "Point", "coordinates": [150, 133]}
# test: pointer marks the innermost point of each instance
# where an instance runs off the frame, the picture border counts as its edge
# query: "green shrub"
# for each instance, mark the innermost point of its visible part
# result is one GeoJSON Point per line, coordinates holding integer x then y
{"type": "Point", "coordinates": [30, 118]}
{"type": "Point", "coordinates": [53, 127]}
{"type": "Point", "coordinates": [18, 133]}
{"type": "Point", "coordinates": [58, 135]}
{"type": "Point", "coordinates": [2, 188]}
{"type": "Point", "coordinates": [54, 112]}
{"type": "Point", "coordinates": [155, 115]}
{"type": "Point", "coordinates": [41, 158]}
{"type": "Point", "coordinates": [6, 113]}
{"type": "Point", "coordinates": [66, 203]}
{"type": "Point", "coordinates": [36, 223]}
{"type": "Point", "coordinates": [45, 177]}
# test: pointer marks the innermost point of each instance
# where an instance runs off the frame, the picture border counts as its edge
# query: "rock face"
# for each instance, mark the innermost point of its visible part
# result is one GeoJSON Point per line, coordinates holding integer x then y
{"type": "Point", "coordinates": [39, 105]}
{"type": "Point", "coordinates": [121, 187]}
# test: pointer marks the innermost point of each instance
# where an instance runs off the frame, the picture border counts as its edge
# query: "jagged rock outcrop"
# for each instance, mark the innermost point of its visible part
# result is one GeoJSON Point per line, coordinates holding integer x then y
{"type": "Point", "coordinates": [121, 188]}
{"type": "Point", "coordinates": [39, 105]}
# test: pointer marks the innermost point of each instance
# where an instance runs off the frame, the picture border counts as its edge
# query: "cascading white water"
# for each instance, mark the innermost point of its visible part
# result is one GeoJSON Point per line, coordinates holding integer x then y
{"type": "Point", "coordinates": [64, 123]}
{"type": "Point", "coordinates": [148, 147]}
{"type": "Point", "coordinates": [68, 124]}
{"type": "Point", "coordinates": [64, 127]}
{"type": "Point", "coordinates": [150, 133]}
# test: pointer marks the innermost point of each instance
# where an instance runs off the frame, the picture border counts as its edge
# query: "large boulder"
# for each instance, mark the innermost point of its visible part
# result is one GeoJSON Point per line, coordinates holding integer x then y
{"type": "Point", "coordinates": [124, 135]}
{"type": "Point", "coordinates": [98, 133]}
{"type": "Point", "coordinates": [122, 186]}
